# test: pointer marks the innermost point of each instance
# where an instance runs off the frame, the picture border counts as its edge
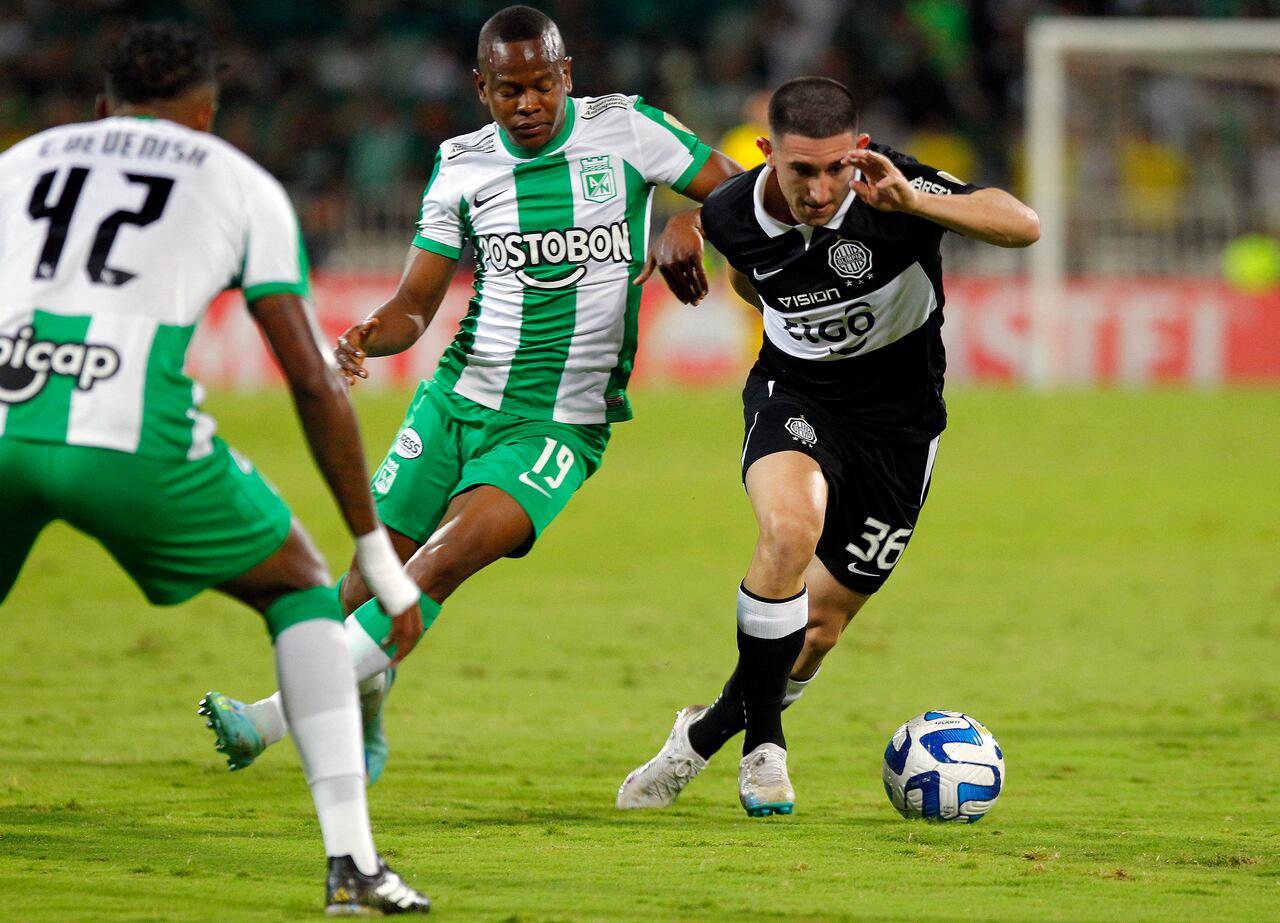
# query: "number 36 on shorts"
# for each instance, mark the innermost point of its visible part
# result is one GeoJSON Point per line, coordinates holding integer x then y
{"type": "Point", "coordinates": [881, 545]}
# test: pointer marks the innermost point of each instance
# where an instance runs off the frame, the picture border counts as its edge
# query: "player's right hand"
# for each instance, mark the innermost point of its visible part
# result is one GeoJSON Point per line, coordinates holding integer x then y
{"type": "Point", "coordinates": [677, 254]}
{"type": "Point", "coordinates": [351, 349]}
{"type": "Point", "coordinates": [406, 629]}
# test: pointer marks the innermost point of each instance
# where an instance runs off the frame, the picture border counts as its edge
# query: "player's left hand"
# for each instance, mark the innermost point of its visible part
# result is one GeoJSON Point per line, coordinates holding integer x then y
{"type": "Point", "coordinates": [882, 186]}
{"type": "Point", "coordinates": [350, 350]}
{"type": "Point", "coordinates": [406, 629]}
{"type": "Point", "coordinates": [678, 256]}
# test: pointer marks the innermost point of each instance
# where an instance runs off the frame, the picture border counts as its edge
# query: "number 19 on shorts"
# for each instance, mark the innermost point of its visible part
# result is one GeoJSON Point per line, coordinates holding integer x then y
{"type": "Point", "coordinates": [539, 478]}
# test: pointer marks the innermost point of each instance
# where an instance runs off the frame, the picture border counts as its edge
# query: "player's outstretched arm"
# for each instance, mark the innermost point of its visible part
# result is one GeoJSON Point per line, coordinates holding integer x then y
{"type": "Point", "coordinates": [718, 168]}
{"type": "Point", "coordinates": [334, 438]}
{"type": "Point", "coordinates": [398, 323]}
{"type": "Point", "coordinates": [677, 253]}
{"type": "Point", "coordinates": [992, 216]}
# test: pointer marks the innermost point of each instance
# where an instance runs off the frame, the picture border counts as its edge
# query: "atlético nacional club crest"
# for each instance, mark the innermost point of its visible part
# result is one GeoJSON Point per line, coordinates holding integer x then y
{"type": "Point", "coordinates": [598, 182]}
{"type": "Point", "coordinates": [386, 475]}
{"type": "Point", "coordinates": [850, 258]}
{"type": "Point", "coordinates": [802, 430]}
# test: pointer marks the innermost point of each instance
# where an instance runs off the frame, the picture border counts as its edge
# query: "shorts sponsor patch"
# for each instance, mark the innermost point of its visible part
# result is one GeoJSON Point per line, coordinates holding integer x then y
{"type": "Point", "coordinates": [408, 443]}
{"type": "Point", "coordinates": [802, 430]}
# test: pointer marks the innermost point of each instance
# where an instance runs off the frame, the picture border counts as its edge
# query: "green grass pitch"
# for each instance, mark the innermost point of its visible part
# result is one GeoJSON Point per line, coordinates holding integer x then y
{"type": "Point", "coordinates": [1096, 577]}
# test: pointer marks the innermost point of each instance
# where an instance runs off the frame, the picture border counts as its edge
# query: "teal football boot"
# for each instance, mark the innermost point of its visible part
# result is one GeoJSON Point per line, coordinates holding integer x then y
{"type": "Point", "coordinates": [375, 736]}
{"type": "Point", "coordinates": [237, 737]}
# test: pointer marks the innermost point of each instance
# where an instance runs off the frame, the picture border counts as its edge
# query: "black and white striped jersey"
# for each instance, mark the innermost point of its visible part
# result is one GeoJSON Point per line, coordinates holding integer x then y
{"type": "Point", "coordinates": [853, 309]}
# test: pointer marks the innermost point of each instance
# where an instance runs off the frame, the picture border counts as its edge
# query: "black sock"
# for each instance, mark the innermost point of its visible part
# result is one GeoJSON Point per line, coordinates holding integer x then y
{"type": "Point", "coordinates": [719, 722]}
{"type": "Point", "coordinates": [763, 667]}
{"type": "Point", "coordinates": [722, 721]}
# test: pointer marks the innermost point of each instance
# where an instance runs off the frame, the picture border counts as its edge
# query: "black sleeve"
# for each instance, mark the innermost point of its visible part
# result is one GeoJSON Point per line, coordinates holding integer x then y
{"type": "Point", "coordinates": [927, 179]}
{"type": "Point", "coordinates": [924, 177]}
{"type": "Point", "coordinates": [717, 217]}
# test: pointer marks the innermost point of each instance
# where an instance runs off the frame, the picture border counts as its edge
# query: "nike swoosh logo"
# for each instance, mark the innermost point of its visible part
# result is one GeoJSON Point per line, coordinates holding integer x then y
{"type": "Point", "coordinates": [862, 573]}
{"type": "Point", "coordinates": [764, 275]}
{"type": "Point", "coordinates": [525, 479]}
{"type": "Point", "coordinates": [480, 203]}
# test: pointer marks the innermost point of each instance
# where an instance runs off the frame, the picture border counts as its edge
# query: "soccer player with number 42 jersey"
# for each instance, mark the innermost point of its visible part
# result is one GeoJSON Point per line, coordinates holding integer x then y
{"type": "Point", "coordinates": [114, 237]}
{"type": "Point", "coordinates": [553, 196]}
{"type": "Point", "coordinates": [836, 241]}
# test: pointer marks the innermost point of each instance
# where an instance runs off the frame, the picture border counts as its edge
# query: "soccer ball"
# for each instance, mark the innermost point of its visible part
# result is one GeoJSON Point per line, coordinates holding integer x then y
{"type": "Point", "coordinates": [943, 766]}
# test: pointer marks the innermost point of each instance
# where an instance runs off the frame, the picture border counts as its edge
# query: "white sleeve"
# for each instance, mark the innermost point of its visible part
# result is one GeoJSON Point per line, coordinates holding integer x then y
{"type": "Point", "coordinates": [275, 258]}
{"type": "Point", "coordinates": [439, 221]}
{"type": "Point", "coordinates": [673, 154]}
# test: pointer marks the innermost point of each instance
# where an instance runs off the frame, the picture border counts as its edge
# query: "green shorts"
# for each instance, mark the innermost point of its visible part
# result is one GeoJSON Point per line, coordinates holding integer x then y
{"type": "Point", "coordinates": [177, 527]}
{"type": "Point", "coordinates": [448, 445]}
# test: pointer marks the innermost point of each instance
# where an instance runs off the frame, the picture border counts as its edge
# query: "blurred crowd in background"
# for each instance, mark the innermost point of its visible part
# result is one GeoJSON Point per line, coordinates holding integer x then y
{"type": "Point", "coordinates": [346, 101]}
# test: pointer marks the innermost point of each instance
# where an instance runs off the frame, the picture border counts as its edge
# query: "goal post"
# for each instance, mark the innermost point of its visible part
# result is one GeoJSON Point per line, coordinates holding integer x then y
{"type": "Point", "coordinates": [1239, 53]}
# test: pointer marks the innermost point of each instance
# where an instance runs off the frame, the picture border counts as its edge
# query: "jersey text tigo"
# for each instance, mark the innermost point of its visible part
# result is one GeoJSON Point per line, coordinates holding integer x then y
{"type": "Point", "coordinates": [852, 309]}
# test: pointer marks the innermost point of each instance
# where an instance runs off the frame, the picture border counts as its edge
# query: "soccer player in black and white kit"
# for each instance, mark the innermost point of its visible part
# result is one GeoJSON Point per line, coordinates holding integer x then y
{"type": "Point", "coordinates": [836, 240]}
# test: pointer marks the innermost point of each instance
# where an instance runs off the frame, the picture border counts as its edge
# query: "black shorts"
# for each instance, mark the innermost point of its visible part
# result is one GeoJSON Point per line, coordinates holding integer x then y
{"type": "Point", "coordinates": [874, 489]}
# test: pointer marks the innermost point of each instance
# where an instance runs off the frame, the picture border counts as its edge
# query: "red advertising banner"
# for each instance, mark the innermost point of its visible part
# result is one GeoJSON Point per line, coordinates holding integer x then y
{"type": "Point", "coordinates": [1130, 332]}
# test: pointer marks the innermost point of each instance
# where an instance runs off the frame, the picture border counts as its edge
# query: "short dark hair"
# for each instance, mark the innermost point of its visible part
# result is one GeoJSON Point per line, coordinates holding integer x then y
{"type": "Point", "coordinates": [159, 60]}
{"type": "Point", "coordinates": [516, 24]}
{"type": "Point", "coordinates": [814, 107]}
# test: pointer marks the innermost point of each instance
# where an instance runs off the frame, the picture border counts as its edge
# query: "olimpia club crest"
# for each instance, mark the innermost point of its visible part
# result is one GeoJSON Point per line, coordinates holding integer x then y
{"type": "Point", "coordinates": [598, 181]}
{"type": "Point", "coordinates": [802, 430]}
{"type": "Point", "coordinates": [850, 258]}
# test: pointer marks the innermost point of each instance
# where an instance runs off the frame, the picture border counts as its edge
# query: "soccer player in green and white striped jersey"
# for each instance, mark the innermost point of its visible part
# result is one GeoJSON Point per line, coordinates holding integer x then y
{"type": "Point", "coordinates": [114, 237]}
{"type": "Point", "coordinates": [554, 197]}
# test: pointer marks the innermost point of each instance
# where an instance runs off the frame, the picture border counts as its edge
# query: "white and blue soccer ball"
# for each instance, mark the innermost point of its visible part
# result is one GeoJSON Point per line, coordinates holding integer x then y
{"type": "Point", "coordinates": [943, 766]}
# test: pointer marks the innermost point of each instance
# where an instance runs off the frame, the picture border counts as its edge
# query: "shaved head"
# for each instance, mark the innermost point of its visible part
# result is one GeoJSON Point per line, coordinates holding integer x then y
{"type": "Point", "coordinates": [518, 24]}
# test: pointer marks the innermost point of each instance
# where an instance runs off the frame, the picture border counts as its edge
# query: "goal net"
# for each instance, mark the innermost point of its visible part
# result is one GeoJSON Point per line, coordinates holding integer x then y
{"type": "Point", "coordinates": [1151, 147]}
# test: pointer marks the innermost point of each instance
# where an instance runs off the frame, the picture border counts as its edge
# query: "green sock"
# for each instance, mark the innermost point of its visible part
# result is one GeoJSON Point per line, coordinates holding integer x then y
{"type": "Point", "coordinates": [319, 602]}
{"type": "Point", "coordinates": [377, 624]}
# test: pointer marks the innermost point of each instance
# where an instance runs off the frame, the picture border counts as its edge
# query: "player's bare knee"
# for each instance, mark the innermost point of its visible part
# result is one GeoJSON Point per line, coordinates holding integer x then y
{"type": "Point", "coordinates": [789, 539]}
{"type": "Point", "coordinates": [298, 564]}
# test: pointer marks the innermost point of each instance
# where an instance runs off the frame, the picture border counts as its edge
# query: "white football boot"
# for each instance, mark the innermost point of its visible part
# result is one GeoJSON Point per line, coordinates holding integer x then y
{"type": "Point", "coordinates": [763, 784]}
{"type": "Point", "coordinates": [660, 781]}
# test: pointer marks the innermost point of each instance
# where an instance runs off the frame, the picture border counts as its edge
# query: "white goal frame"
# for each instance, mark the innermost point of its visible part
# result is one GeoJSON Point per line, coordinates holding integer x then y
{"type": "Point", "coordinates": [1049, 41]}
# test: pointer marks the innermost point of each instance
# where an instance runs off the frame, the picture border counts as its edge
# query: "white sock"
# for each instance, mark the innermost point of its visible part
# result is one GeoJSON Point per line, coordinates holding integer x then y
{"type": "Point", "coordinates": [369, 659]}
{"type": "Point", "coordinates": [268, 716]}
{"type": "Point", "coordinates": [318, 689]}
{"type": "Point", "coordinates": [370, 663]}
{"type": "Point", "coordinates": [772, 619]}
{"type": "Point", "coordinates": [375, 683]}
{"type": "Point", "coordinates": [796, 687]}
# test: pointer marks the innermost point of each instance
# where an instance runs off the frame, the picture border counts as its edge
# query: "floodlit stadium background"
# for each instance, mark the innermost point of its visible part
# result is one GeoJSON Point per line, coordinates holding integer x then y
{"type": "Point", "coordinates": [1094, 575]}
{"type": "Point", "coordinates": [1166, 256]}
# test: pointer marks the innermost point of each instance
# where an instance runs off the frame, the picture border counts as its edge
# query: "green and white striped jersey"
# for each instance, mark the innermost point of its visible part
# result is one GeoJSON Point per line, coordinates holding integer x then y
{"type": "Point", "coordinates": [114, 237]}
{"type": "Point", "coordinates": [559, 235]}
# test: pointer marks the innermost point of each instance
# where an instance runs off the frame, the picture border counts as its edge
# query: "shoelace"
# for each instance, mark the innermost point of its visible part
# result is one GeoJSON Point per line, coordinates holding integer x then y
{"type": "Point", "coordinates": [768, 769]}
{"type": "Point", "coordinates": [673, 777]}
{"type": "Point", "coordinates": [393, 889]}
